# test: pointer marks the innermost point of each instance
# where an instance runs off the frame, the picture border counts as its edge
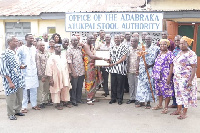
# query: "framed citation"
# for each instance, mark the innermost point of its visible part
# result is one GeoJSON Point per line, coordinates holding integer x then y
{"type": "Point", "coordinates": [103, 54]}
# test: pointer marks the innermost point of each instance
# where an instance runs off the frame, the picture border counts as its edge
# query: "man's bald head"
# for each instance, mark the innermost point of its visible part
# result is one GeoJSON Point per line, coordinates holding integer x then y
{"type": "Point", "coordinates": [40, 46]}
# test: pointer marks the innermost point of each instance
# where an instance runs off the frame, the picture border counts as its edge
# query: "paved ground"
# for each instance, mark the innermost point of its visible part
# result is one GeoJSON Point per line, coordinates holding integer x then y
{"type": "Point", "coordinates": [99, 118]}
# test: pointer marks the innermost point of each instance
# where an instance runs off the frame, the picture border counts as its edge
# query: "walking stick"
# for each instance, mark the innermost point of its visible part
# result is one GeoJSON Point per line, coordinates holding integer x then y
{"type": "Point", "coordinates": [142, 54]}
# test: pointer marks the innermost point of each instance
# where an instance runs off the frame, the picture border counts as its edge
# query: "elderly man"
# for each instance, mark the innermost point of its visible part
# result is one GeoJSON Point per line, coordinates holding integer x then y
{"type": "Point", "coordinates": [105, 70]}
{"type": "Point", "coordinates": [164, 36]}
{"type": "Point", "coordinates": [143, 89]}
{"type": "Point", "coordinates": [132, 65]}
{"type": "Point", "coordinates": [118, 53]}
{"type": "Point", "coordinates": [57, 70]}
{"type": "Point", "coordinates": [122, 37]}
{"type": "Point", "coordinates": [12, 79]}
{"type": "Point", "coordinates": [27, 55]}
{"type": "Point", "coordinates": [76, 64]}
{"type": "Point", "coordinates": [41, 61]}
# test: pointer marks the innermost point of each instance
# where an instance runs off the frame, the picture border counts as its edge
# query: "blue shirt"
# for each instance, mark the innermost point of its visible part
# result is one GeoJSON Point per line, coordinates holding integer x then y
{"type": "Point", "coordinates": [10, 67]}
{"type": "Point", "coordinates": [176, 51]}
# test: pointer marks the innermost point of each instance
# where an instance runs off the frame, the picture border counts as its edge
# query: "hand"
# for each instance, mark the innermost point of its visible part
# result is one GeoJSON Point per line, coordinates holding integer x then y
{"type": "Point", "coordinates": [23, 66]}
{"type": "Point", "coordinates": [137, 73]}
{"type": "Point", "coordinates": [51, 83]}
{"type": "Point", "coordinates": [110, 65]}
{"type": "Point", "coordinates": [189, 84]}
{"type": "Point", "coordinates": [106, 59]}
{"type": "Point", "coordinates": [43, 79]}
{"type": "Point", "coordinates": [168, 81]}
{"type": "Point", "coordinates": [74, 75]}
{"type": "Point", "coordinates": [11, 85]}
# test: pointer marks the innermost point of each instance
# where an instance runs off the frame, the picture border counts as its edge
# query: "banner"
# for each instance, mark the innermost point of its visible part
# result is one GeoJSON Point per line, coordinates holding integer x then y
{"type": "Point", "coordinates": [113, 22]}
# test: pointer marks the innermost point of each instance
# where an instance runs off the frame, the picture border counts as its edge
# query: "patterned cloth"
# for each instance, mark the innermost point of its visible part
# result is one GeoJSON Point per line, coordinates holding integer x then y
{"type": "Point", "coordinates": [176, 51]}
{"type": "Point", "coordinates": [160, 73]}
{"type": "Point", "coordinates": [27, 57]}
{"type": "Point", "coordinates": [116, 53]}
{"type": "Point", "coordinates": [143, 89]}
{"type": "Point", "coordinates": [41, 61]}
{"type": "Point", "coordinates": [93, 77]}
{"type": "Point", "coordinates": [74, 56]}
{"type": "Point", "coordinates": [10, 67]}
{"type": "Point", "coordinates": [132, 60]}
{"type": "Point", "coordinates": [182, 72]}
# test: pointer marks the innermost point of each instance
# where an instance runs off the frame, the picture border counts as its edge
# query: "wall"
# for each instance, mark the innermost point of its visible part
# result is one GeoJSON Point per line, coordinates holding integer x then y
{"type": "Point", "coordinates": [170, 5]}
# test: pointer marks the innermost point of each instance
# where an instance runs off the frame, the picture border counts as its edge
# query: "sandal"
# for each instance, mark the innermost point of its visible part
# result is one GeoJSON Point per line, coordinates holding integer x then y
{"type": "Point", "coordinates": [175, 113]}
{"type": "Point", "coordinates": [24, 111]}
{"type": "Point", "coordinates": [157, 107]}
{"type": "Point", "coordinates": [36, 108]}
{"type": "Point", "coordinates": [148, 106]}
{"type": "Point", "coordinates": [164, 111]}
{"type": "Point", "coordinates": [139, 104]}
{"type": "Point", "coordinates": [182, 116]}
{"type": "Point", "coordinates": [59, 107]}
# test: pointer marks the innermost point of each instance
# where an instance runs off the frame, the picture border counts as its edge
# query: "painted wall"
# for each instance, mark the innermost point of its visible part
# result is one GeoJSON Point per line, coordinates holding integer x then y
{"type": "Point", "coordinates": [174, 4]}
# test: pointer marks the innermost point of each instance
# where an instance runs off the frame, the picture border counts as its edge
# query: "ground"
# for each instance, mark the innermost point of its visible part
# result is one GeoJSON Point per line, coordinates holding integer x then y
{"type": "Point", "coordinates": [99, 118]}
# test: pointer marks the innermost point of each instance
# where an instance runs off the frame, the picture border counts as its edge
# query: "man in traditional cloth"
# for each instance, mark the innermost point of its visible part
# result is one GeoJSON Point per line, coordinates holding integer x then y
{"type": "Point", "coordinates": [121, 38]}
{"type": "Point", "coordinates": [76, 64]}
{"type": "Point", "coordinates": [144, 93]}
{"type": "Point", "coordinates": [27, 55]}
{"type": "Point", "coordinates": [41, 61]}
{"type": "Point", "coordinates": [57, 70]}
{"type": "Point", "coordinates": [144, 34]}
{"type": "Point", "coordinates": [13, 81]}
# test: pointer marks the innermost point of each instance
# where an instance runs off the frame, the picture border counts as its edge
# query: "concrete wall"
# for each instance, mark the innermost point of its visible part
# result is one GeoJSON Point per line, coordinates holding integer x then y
{"type": "Point", "coordinates": [174, 5]}
{"type": "Point", "coordinates": [38, 27]}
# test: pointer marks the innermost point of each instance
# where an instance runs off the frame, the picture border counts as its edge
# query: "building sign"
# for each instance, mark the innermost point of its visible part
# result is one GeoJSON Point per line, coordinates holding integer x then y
{"type": "Point", "coordinates": [113, 22]}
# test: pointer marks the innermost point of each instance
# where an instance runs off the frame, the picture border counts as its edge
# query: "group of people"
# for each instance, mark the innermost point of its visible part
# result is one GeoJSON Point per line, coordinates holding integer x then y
{"type": "Point", "coordinates": [54, 70]}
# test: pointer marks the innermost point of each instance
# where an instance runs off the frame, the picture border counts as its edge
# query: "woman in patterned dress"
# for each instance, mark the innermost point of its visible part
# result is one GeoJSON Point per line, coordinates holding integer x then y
{"type": "Point", "coordinates": [93, 77]}
{"type": "Point", "coordinates": [185, 84]}
{"type": "Point", "coordinates": [162, 73]}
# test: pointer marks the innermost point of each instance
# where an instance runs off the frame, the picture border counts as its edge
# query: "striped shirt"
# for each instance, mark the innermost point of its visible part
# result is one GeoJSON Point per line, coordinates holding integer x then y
{"type": "Point", "coordinates": [10, 67]}
{"type": "Point", "coordinates": [116, 53]}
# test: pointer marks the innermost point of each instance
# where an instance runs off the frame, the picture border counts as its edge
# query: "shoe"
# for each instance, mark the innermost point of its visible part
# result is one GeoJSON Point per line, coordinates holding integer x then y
{"type": "Point", "coordinates": [75, 104]}
{"type": "Point", "coordinates": [130, 101]}
{"type": "Point", "coordinates": [12, 117]}
{"type": "Point", "coordinates": [24, 111]}
{"type": "Point", "coordinates": [36, 108]}
{"type": "Point", "coordinates": [20, 114]}
{"type": "Point", "coordinates": [120, 102]}
{"type": "Point", "coordinates": [49, 104]}
{"type": "Point", "coordinates": [41, 105]}
{"type": "Point", "coordinates": [112, 101]}
{"type": "Point", "coordinates": [104, 94]}
{"type": "Point", "coordinates": [80, 102]}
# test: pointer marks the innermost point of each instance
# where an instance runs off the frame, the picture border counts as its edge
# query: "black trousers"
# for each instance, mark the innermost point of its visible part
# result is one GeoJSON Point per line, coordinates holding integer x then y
{"type": "Point", "coordinates": [117, 89]}
{"type": "Point", "coordinates": [105, 78]}
{"type": "Point", "coordinates": [126, 85]}
{"type": "Point", "coordinates": [76, 91]}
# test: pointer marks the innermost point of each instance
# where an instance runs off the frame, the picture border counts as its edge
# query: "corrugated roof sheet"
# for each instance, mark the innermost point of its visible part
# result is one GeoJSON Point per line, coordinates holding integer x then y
{"type": "Point", "coordinates": [35, 7]}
